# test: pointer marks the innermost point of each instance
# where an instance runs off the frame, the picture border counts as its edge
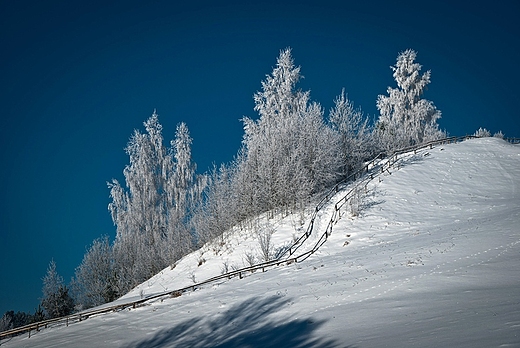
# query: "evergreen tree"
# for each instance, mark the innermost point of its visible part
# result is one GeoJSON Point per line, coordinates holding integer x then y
{"type": "Point", "coordinates": [56, 299]}
{"type": "Point", "coordinates": [11, 320]}
{"type": "Point", "coordinates": [6, 321]}
{"type": "Point", "coordinates": [406, 119]}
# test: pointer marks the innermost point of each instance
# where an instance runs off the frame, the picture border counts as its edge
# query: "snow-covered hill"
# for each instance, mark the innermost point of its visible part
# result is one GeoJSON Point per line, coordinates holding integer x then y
{"type": "Point", "coordinates": [432, 260]}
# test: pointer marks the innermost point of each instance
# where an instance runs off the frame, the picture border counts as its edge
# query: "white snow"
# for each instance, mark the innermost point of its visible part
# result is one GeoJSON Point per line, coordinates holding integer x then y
{"type": "Point", "coordinates": [432, 260]}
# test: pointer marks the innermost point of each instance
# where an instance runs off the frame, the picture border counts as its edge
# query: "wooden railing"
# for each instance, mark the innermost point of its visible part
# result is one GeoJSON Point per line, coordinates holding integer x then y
{"type": "Point", "coordinates": [370, 171]}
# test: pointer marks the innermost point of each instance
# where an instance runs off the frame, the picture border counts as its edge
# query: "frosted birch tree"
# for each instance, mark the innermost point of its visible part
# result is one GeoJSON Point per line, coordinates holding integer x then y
{"type": "Point", "coordinates": [139, 213]}
{"type": "Point", "coordinates": [95, 278]}
{"type": "Point", "coordinates": [352, 132]}
{"type": "Point", "coordinates": [220, 209]}
{"type": "Point", "coordinates": [151, 213]}
{"type": "Point", "coordinates": [181, 195]}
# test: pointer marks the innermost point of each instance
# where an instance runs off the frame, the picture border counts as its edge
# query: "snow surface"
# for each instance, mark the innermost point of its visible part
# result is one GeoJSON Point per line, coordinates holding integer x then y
{"type": "Point", "coordinates": [432, 260]}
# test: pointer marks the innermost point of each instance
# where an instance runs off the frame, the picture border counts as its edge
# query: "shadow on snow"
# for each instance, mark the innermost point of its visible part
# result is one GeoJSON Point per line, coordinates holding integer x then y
{"type": "Point", "coordinates": [244, 325]}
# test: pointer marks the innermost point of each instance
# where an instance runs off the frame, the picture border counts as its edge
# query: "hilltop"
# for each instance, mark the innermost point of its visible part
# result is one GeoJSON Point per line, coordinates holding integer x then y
{"type": "Point", "coordinates": [428, 257]}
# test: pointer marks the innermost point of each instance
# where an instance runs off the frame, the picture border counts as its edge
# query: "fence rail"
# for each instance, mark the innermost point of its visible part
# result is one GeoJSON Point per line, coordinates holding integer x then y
{"type": "Point", "coordinates": [372, 169]}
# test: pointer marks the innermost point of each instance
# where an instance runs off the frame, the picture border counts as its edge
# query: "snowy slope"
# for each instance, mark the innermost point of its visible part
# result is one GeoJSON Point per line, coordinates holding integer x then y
{"type": "Point", "coordinates": [432, 260]}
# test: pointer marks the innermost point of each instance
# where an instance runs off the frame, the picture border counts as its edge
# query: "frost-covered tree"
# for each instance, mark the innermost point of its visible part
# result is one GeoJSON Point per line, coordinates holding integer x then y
{"type": "Point", "coordinates": [482, 133]}
{"type": "Point", "coordinates": [405, 119]}
{"type": "Point", "coordinates": [220, 209]}
{"type": "Point", "coordinates": [499, 135]}
{"type": "Point", "coordinates": [6, 321]}
{"type": "Point", "coordinates": [288, 153]}
{"type": "Point", "coordinates": [95, 278]}
{"type": "Point", "coordinates": [152, 213]}
{"type": "Point", "coordinates": [183, 176]}
{"type": "Point", "coordinates": [139, 213]}
{"type": "Point", "coordinates": [183, 193]}
{"type": "Point", "coordinates": [56, 299]}
{"type": "Point", "coordinates": [11, 320]}
{"type": "Point", "coordinates": [353, 133]}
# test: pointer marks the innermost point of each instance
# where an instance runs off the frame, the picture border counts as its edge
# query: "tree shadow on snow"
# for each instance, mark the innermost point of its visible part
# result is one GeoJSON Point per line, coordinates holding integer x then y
{"type": "Point", "coordinates": [413, 159]}
{"type": "Point", "coordinates": [245, 324]}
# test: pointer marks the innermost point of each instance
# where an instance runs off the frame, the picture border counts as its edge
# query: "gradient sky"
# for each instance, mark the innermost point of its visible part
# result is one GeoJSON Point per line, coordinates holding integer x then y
{"type": "Point", "coordinates": [79, 76]}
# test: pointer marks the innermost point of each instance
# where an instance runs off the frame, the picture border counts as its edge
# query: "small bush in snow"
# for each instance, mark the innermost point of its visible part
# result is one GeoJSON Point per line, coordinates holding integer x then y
{"type": "Point", "coordinates": [499, 135]}
{"type": "Point", "coordinates": [356, 201]}
{"type": "Point", "coordinates": [250, 259]}
{"type": "Point", "coordinates": [225, 267]}
{"type": "Point", "coordinates": [192, 277]}
{"type": "Point", "coordinates": [265, 233]}
{"type": "Point", "coordinates": [482, 133]}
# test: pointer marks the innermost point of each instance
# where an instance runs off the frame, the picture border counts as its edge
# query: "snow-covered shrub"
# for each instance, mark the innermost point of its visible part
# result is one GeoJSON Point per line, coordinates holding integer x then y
{"type": "Point", "coordinates": [356, 201]}
{"type": "Point", "coordinates": [499, 135]}
{"type": "Point", "coordinates": [225, 267]}
{"type": "Point", "coordinates": [482, 133]}
{"type": "Point", "coordinates": [265, 244]}
{"type": "Point", "coordinates": [249, 259]}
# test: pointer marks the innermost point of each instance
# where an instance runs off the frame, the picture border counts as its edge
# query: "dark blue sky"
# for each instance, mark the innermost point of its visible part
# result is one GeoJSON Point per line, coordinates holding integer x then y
{"type": "Point", "coordinates": [79, 76]}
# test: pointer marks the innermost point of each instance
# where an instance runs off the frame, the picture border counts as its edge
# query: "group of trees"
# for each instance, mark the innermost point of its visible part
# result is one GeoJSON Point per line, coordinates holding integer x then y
{"type": "Point", "coordinates": [56, 302]}
{"type": "Point", "coordinates": [290, 153]}
{"type": "Point", "coordinates": [12, 320]}
{"type": "Point", "coordinates": [152, 214]}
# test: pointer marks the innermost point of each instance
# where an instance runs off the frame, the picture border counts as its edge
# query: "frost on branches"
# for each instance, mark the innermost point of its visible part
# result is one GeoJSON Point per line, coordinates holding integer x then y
{"type": "Point", "coordinates": [289, 155]}
{"type": "Point", "coordinates": [405, 119]}
{"type": "Point", "coordinates": [289, 152]}
{"type": "Point", "coordinates": [150, 215]}
{"type": "Point", "coordinates": [56, 299]}
{"type": "Point", "coordinates": [353, 134]}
